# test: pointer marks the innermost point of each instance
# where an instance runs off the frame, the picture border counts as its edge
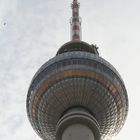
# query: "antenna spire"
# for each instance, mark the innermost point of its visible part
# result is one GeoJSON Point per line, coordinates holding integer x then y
{"type": "Point", "coordinates": [75, 21]}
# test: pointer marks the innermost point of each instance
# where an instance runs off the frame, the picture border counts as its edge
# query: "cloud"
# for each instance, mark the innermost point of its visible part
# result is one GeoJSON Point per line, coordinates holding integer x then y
{"type": "Point", "coordinates": [36, 29]}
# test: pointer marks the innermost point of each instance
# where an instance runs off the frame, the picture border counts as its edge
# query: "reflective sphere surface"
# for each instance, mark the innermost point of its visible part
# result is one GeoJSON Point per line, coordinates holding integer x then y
{"type": "Point", "coordinates": [76, 78]}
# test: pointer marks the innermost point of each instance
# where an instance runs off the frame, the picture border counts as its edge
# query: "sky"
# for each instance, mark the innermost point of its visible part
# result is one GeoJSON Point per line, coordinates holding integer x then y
{"type": "Point", "coordinates": [31, 31]}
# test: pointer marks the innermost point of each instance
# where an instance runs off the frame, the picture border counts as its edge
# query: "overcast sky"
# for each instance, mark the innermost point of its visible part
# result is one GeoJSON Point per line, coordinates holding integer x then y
{"type": "Point", "coordinates": [31, 31]}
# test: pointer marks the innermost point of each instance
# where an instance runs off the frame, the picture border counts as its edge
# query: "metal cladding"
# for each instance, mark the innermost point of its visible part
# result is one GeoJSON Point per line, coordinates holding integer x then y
{"type": "Point", "coordinates": [77, 79]}
{"type": "Point", "coordinates": [77, 85]}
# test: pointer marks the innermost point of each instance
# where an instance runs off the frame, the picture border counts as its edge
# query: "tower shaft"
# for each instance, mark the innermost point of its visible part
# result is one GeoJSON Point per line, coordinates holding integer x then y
{"type": "Point", "coordinates": [75, 21]}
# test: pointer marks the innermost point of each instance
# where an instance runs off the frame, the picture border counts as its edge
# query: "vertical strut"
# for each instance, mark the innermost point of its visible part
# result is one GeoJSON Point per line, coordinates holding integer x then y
{"type": "Point", "coordinates": [75, 21]}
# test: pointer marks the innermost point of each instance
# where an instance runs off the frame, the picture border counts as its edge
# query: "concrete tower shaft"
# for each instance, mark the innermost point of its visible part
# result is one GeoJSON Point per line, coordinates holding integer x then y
{"type": "Point", "coordinates": [75, 21]}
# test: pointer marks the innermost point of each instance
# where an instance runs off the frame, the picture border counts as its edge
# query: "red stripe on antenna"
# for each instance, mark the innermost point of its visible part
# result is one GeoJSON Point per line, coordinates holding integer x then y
{"type": "Point", "coordinates": [75, 21]}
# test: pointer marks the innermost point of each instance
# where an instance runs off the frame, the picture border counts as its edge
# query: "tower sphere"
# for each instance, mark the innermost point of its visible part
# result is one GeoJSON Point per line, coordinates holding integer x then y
{"type": "Point", "coordinates": [77, 78]}
{"type": "Point", "coordinates": [77, 86]}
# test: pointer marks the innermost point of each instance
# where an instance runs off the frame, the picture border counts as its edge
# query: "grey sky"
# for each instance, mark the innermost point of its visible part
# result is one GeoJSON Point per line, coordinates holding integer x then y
{"type": "Point", "coordinates": [33, 33]}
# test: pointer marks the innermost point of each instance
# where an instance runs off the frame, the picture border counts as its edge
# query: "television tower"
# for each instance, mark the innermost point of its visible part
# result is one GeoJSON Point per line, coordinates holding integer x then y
{"type": "Point", "coordinates": [77, 95]}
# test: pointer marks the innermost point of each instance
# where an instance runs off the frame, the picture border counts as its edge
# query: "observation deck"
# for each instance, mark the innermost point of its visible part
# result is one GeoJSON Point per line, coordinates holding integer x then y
{"type": "Point", "coordinates": [77, 77]}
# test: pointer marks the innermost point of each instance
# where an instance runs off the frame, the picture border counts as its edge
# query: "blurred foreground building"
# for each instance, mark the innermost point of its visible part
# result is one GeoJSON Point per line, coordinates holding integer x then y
{"type": "Point", "coordinates": [77, 95]}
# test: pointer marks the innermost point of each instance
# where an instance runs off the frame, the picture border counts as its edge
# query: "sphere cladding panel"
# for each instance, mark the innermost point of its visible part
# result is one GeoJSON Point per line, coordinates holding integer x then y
{"type": "Point", "coordinates": [77, 79]}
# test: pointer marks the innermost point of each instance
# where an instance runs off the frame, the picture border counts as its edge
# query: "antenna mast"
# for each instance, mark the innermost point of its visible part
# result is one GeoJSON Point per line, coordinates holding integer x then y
{"type": "Point", "coordinates": [75, 21]}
